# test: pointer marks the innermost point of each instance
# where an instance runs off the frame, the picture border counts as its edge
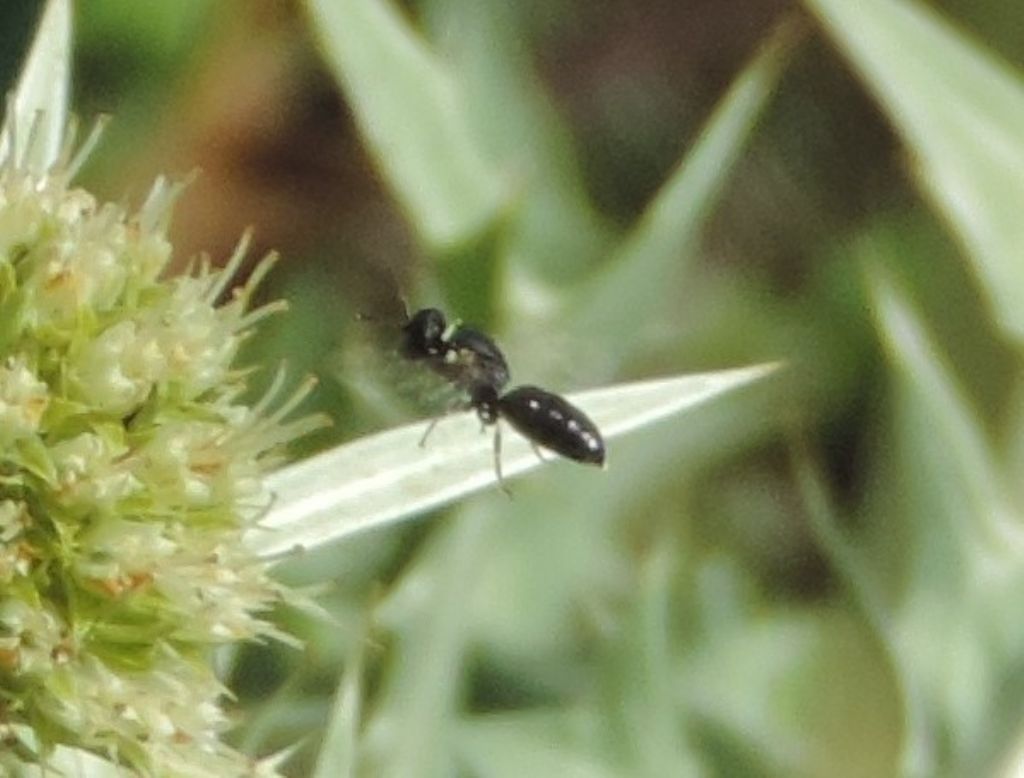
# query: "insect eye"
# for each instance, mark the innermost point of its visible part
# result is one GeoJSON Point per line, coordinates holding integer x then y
{"type": "Point", "coordinates": [423, 334]}
{"type": "Point", "coordinates": [433, 324]}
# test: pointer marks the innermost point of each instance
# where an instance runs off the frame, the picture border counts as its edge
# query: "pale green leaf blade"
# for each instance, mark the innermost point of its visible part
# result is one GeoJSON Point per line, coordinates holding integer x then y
{"type": "Point", "coordinates": [409, 733]}
{"type": "Point", "coordinates": [956, 426]}
{"type": "Point", "coordinates": [389, 477]}
{"type": "Point", "coordinates": [337, 756]}
{"type": "Point", "coordinates": [961, 112]}
{"type": "Point", "coordinates": [954, 624]}
{"type": "Point", "coordinates": [556, 231]}
{"type": "Point", "coordinates": [830, 532]}
{"type": "Point", "coordinates": [535, 742]}
{"type": "Point", "coordinates": [409, 107]}
{"type": "Point", "coordinates": [33, 130]}
{"type": "Point", "coordinates": [651, 722]}
{"type": "Point", "coordinates": [661, 245]}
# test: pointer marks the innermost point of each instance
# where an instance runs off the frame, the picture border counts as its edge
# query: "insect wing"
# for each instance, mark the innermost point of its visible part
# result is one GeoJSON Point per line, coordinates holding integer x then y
{"type": "Point", "coordinates": [474, 360]}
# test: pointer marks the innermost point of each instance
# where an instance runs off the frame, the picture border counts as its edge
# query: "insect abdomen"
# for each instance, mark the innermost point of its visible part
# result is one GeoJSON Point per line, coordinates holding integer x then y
{"type": "Point", "coordinates": [553, 422]}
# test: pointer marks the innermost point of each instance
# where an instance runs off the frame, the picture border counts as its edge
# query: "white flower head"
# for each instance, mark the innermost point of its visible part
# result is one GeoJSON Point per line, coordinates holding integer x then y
{"type": "Point", "coordinates": [131, 467]}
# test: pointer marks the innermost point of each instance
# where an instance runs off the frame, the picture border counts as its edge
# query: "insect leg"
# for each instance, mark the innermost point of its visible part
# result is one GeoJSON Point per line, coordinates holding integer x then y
{"type": "Point", "coordinates": [430, 428]}
{"type": "Point", "coordinates": [497, 460]}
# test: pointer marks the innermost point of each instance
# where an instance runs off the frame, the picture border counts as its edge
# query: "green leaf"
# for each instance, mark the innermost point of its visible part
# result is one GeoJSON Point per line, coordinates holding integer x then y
{"type": "Point", "coordinates": [549, 742]}
{"type": "Point", "coordinates": [410, 108]}
{"type": "Point", "coordinates": [337, 757]}
{"type": "Point", "coordinates": [791, 691]}
{"type": "Point", "coordinates": [957, 545]}
{"type": "Point", "coordinates": [961, 112]}
{"type": "Point", "coordinates": [33, 129]}
{"type": "Point", "coordinates": [661, 245]}
{"type": "Point", "coordinates": [555, 230]}
{"type": "Point", "coordinates": [993, 520]}
{"type": "Point", "coordinates": [829, 530]}
{"type": "Point", "coordinates": [410, 730]}
{"type": "Point", "coordinates": [651, 723]}
{"type": "Point", "coordinates": [388, 477]}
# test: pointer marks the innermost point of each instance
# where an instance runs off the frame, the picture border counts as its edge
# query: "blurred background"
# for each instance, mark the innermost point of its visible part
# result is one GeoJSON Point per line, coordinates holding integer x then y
{"type": "Point", "coordinates": [820, 575]}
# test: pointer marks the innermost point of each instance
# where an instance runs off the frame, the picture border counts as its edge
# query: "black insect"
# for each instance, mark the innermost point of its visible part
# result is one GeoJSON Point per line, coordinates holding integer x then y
{"type": "Point", "coordinates": [471, 361]}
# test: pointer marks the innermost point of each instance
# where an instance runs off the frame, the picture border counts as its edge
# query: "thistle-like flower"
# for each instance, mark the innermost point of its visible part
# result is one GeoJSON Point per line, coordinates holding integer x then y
{"type": "Point", "coordinates": [132, 535]}
{"type": "Point", "coordinates": [129, 469]}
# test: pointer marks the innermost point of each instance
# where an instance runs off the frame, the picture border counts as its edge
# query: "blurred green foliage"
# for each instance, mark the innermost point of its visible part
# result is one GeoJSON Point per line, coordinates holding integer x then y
{"type": "Point", "coordinates": [820, 576]}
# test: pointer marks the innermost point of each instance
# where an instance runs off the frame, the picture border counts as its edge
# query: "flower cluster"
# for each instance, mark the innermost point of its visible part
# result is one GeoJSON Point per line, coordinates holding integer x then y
{"type": "Point", "coordinates": [129, 469]}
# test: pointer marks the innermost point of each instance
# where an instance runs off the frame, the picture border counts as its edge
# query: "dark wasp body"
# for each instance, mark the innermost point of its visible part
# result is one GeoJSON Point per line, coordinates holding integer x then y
{"type": "Point", "coordinates": [472, 362]}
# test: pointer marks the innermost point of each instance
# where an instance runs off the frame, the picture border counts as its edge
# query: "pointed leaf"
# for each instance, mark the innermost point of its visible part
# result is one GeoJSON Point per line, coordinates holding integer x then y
{"type": "Point", "coordinates": [661, 243]}
{"type": "Point", "coordinates": [650, 720]}
{"type": "Point", "coordinates": [389, 477]}
{"type": "Point", "coordinates": [337, 757]}
{"type": "Point", "coordinates": [961, 112]}
{"type": "Point", "coordinates": [956, 426]}
{"type": "Point", "coordinates": [409, 107]}
{"type": "Point", "coordinates": [33, 130]}
{"type": "Point", "coordinates": [409, 733]}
